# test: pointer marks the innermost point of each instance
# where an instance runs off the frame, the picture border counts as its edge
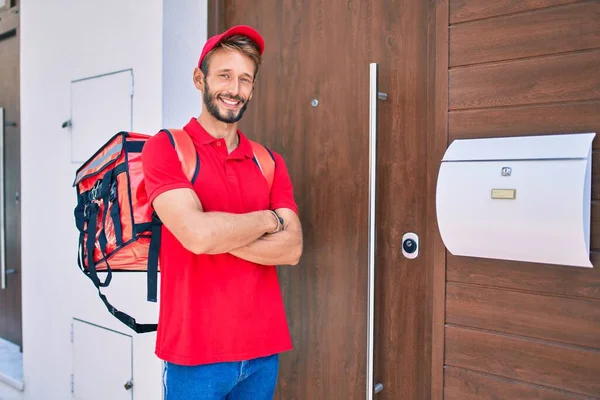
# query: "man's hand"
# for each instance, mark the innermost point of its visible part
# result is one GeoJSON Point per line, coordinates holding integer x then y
{"type": "Point", "coordinates": [282, 248]}
{"type": "Point", "coordinates": [202, 232]}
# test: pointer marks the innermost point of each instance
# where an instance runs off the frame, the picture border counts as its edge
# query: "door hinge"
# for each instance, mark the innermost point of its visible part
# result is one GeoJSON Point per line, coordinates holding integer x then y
{"type": "Point", "coordinates": [72, 383]}
{"type": "Point", "coordinates": [72, 333]}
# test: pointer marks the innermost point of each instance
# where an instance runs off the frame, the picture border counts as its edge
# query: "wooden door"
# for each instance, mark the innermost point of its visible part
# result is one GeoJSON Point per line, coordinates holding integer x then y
{"type": "Point", "coordinates": [10, 296]}
{"type": "Point", "coordinates": [311, 104]}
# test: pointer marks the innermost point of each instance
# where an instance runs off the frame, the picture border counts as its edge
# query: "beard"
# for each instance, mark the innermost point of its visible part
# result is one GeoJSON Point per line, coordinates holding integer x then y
{"type": "Point", "coordinates": [228, 116]}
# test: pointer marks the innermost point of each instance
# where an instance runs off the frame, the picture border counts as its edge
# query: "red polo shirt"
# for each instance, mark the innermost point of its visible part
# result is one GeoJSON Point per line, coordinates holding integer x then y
{"type": "Point", "coordinates": [217, 308]}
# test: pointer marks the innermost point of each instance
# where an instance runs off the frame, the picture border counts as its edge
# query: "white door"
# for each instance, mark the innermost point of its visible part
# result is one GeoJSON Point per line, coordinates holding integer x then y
{"type": "Point", "coordinates": [102, 363]}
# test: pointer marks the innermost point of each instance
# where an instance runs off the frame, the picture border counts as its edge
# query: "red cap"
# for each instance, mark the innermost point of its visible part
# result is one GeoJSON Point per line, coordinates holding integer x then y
{"type": "Point", "coordinates": [243, 30]}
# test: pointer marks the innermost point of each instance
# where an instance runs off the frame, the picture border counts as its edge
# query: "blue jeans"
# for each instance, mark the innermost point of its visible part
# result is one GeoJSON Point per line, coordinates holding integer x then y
{"type": "Point", "coordinates": [246, 380]}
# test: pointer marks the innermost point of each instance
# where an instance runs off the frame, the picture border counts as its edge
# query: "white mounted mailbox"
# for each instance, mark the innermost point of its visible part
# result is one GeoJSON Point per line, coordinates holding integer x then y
{"type": "Point", "coordinates": [520, 198]}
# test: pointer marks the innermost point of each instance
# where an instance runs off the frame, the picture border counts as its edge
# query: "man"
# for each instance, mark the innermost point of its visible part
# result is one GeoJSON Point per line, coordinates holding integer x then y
{"type": "Point", "coordinates": [222, 322]}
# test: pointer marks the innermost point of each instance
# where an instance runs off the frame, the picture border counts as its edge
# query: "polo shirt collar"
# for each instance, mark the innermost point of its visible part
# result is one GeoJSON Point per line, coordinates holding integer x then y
{"type": "Point", "coordinates": [201, 136]}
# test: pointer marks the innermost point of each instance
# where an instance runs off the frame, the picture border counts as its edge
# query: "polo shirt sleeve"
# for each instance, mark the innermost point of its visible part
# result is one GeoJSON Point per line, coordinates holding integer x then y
{"type": "Point", "coordinates": [282, 191]}
{"type": "Point", "coordinates": [162, 169]}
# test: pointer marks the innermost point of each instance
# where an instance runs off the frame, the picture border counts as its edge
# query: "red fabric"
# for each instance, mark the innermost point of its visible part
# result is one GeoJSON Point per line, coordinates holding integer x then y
{"type": "Point", "coordinates": [217, 308]}
{"type": "Point", "coordinates": [236, 30]}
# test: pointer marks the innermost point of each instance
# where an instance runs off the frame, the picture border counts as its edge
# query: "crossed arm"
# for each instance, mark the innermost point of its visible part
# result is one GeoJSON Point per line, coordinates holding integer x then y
{"type": "Point", "coordinates": [246, 236]}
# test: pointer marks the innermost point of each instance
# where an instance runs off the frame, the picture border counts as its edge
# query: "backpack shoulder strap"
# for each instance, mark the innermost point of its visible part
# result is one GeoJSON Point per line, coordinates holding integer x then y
{"type": "Point", "coordinates": [185, 151]}
{"type": "Point", "coordinates": [265, 161]}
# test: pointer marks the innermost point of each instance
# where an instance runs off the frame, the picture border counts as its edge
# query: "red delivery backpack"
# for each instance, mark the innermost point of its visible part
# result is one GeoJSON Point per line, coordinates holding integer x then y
{"type": "Point", "coordinates": [118, 229]}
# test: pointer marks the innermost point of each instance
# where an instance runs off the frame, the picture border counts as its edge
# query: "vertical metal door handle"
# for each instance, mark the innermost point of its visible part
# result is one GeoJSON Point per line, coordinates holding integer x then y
{"type": "Point", "coordinates": [2, 205]}
{"type": "Point", "coordinates": [373, 97]}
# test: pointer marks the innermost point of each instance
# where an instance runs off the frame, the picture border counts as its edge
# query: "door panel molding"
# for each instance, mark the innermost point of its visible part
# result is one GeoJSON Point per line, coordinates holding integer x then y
{"type": "Point", "coordinates": [437, 143]}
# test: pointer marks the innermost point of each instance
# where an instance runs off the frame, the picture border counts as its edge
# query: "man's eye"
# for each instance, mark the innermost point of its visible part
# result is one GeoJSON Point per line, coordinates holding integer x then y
{"type": "Point", "coordinates": [246, 80]}
{"type": "Point", "coordinates": [225, 76]}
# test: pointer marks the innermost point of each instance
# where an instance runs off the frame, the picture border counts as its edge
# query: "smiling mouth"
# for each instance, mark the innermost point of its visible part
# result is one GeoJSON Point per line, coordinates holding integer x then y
{"type": "Point", "coordinates": [230, 102]}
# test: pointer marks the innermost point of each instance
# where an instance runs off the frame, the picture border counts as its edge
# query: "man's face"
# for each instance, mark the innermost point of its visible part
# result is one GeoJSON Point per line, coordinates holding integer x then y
{"type": "Point", "coordinates": [228, 85]}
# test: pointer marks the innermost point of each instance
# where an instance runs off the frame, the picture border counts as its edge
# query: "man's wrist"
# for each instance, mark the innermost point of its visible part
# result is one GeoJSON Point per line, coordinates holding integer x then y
{"type": "Point", "coordinates": [271, 223]}
{"type": "Point", "coordinates": [280, 220]}
{"type": "Point", "coordinates": [277, 225]}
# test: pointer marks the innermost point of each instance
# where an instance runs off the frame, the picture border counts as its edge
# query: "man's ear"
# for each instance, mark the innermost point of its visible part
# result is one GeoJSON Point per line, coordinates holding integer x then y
{"type": "Point", "coordinates": [198, 79]}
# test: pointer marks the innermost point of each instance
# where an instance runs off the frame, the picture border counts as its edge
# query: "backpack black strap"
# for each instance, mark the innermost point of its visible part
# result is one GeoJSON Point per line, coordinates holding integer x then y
{"type": "Point", "coordinates": [80, 210]}
{"type": "Point", "coordinates": [104, 194]}
{"type": "Point", "coordinates": [87, 211]}
{"type": "Point", "coordinates": [108, 193]}
{"type": "Point", "coordinates": [126, 318]}
{"type": "Point", "coordinates": [155, 229]}
{"type": "Point", "coordinates": [115, 213]}
{"type": "Point", "coordinates": [153, 251]}
{"type": "Point", "coordinates": [93, 275]}
{"type": "Point", "coordinates": [113, 199]}
{"type": "Point", "coordinates": [90, 245]}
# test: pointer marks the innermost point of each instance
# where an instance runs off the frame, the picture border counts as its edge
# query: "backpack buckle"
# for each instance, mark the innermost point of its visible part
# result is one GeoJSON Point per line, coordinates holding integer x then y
{"type": "Point", "coordinates": [87, 211]}
{"type": "Point", "coordinates": [95, 190]}
{"type": "Point", "coordinates": [113, 192]}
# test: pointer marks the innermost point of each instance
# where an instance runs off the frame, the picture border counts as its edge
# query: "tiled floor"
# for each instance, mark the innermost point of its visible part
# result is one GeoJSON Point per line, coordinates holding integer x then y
{"type": "Point", "coordinates": [11, 364]}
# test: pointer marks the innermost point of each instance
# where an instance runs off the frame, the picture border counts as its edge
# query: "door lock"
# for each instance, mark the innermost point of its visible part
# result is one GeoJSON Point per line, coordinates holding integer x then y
{"type": "Point", "coordinates": [410, 245]}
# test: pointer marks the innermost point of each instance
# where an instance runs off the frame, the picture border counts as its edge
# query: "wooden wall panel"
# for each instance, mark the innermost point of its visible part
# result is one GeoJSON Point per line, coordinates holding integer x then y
{"type": "Point", "coordinates": [537, 362]}
{"type": "Point", "coordinates": [467, 10]}
{"type": "Point", "coordinates": [534, 315]}
{"type": "Point", "coordinates": [596, 174]}
{"type": "Point", "coordinates": [462, 384]}
{"type": "Point", "coordinates": [595, 226]}
{"type": "Point", "coordinates": [539, 278]}
{"type": "Point", "coordinates": [524, 67]}
{"type": "Point", "coordinates": [547, 31]}
{"type": "Point", "coordinates": [529, 120]}
{"type": "Point", "coordinates": [532, 81]}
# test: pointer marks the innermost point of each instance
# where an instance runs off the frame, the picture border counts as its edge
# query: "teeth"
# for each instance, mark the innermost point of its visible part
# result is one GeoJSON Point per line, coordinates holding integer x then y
{"type": "Point", "coordinates": [230, 102]}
